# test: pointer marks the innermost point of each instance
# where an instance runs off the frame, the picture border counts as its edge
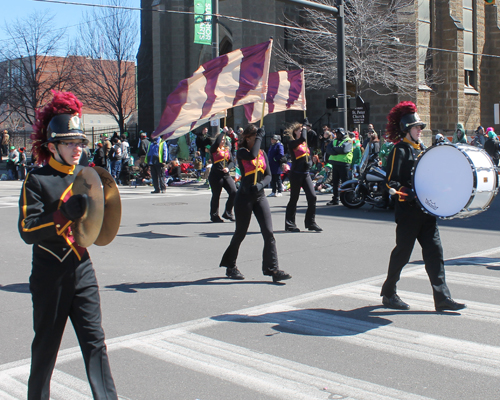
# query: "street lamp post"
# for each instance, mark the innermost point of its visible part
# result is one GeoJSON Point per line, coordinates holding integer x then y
{"type": "Point", "coordinates": [215, 44]}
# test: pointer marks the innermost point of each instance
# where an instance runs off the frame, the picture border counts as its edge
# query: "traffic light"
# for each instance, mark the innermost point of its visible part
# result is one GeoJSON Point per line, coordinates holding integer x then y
{"type": "Point", "coordinates": [489, 2]}
{"type": "Point", "coordinates": [332, 103]}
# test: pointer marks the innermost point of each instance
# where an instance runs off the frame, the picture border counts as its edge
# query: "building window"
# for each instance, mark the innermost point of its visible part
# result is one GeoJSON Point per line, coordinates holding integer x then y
{"type": "Point", "coordinates": [424, 41]}
{"type": "Point", "coordinates": [469, 34]}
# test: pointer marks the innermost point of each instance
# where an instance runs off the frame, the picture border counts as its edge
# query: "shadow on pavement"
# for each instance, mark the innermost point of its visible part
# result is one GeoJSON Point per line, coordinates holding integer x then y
{"type": "Point", "coordinates": [16, 288]}
{"type": "Point", "coordinates": [316, 321]}
{"type": "Point", "coordinates": [324, 322]}
{"type": "Point", "coordinates": [135, 287]}
{"type": "Point", "coordinates": [150, 235]}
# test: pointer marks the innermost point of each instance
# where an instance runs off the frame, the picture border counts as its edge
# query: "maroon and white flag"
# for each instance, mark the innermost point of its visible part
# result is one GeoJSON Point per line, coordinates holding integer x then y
{"type": "Point", "coordinates": [233, 79]}
{"type": "Point", "coordinates": [286, 91]}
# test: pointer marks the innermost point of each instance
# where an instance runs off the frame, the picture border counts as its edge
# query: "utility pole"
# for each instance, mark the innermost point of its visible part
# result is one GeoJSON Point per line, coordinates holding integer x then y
{"type": "Point", "coordinates": [341, 68]}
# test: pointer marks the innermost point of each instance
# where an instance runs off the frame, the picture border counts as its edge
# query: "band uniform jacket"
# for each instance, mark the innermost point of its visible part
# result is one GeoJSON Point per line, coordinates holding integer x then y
{"type": "Point", "coordinates": [41, 221]}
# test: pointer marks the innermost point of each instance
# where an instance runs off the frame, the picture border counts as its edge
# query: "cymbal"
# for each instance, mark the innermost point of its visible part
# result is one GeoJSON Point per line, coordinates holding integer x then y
{"type": "Point", "coordinates": [87, 228]}
{"type": "Point", "coordinates": [112, 208]}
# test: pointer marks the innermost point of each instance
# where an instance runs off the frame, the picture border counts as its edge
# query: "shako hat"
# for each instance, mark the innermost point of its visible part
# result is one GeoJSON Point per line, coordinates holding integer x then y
{"type": "Point", "coordinates": [57, 120]}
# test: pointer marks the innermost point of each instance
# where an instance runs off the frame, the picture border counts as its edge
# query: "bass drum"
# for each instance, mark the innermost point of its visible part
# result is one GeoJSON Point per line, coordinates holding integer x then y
{"type": "Point", "coordinates": [454, 181]}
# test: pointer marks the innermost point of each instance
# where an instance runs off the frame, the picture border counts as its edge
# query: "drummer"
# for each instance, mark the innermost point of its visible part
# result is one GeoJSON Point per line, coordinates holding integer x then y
{"type": "Point", "coordinates": [404, 128]}
{"type": "Point", "coordinates": [62, 282]}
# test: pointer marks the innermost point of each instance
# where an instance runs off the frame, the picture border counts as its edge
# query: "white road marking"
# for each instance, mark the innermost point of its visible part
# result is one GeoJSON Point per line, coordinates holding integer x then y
{"type": "Point", "coordinates": [260, 372]}
{"type": "Point", "coordinates": [281, 378]}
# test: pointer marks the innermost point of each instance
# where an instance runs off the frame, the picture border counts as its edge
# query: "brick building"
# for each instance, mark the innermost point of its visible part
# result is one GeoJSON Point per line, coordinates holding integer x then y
{"type": "Point", "coordinates": [63, 73]}
{"type": "Point", "coordinates": [469, 83]}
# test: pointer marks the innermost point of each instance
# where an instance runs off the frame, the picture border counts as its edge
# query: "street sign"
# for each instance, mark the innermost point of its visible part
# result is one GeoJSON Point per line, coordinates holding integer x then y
{"type": "Point", "coordinates": [360, 115]}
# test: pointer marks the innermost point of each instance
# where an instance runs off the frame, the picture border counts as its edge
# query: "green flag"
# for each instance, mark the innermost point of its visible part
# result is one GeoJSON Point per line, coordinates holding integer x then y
{"type": "Point", "coordinates": [203, 21]}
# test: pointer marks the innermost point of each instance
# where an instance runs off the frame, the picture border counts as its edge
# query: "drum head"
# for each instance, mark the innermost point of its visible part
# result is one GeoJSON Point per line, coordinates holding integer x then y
{"type": "Point", "coordinates": [443, 180]}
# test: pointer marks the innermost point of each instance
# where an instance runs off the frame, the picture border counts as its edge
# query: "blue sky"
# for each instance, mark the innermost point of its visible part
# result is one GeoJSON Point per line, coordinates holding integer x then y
{"type": "Point", "coordinates": [65, 15]}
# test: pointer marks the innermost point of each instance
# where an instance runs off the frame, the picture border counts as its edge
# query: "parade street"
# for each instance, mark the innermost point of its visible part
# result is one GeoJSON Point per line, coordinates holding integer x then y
{"type": "Point", "coordinates": [177, 329]}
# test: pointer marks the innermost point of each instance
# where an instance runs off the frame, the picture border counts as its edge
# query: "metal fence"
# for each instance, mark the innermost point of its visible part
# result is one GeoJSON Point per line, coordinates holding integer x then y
{"type": "Point", "coordinates": [23, 139]}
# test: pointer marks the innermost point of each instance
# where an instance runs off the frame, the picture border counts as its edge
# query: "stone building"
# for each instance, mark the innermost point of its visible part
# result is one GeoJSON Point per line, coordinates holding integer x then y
{"type": "Point", "coordinates": [450, 37]}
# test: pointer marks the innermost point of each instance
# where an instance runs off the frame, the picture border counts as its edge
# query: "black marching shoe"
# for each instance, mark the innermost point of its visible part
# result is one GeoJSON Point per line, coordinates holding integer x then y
{"type": "Point", "coordinates": [234, 273]}
{"type": "Point", "coordinates": [292, 229]}
{"type": "Point", "coordinates": [314, 227]}
{"type": "Point", "coordinates": [228, 216]}
{"type": "Point", "coordinates": [155, 191]}
{"type": "Point", "coordinates": [449, 304]}
{"type": "Point", "coordinates": [216, 219]}
{"type": "Point", "coordinates": [395, 302]}
{"type": "Point", "coordinates": [333, 203]}
{"type": "Point", "coordinates": [278, 275]}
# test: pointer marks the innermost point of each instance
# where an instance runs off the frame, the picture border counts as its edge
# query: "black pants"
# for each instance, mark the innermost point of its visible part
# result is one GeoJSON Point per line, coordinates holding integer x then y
{"type": "Point", "coordinates": [340, 172]}
{"type": "Point", "coordinates": [413, 224]}
{"type": "Point", "coordinates": [217, 182]}
{"type": "Point", "coordinates": [298, 181]}
{"type": "Point", "coordinates": [60, 290]}
{"type": "Point", "coordinates": [244, 205]}
{"type": "Point", "coordinates": [157, 176]}
{"type": "Point", "coordinates": [276, 184]}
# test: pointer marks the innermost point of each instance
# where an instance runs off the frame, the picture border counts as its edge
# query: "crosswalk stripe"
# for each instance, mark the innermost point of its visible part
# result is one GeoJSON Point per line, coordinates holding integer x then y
{"type": "Point", "coordinates": [12, 387]}
{"type": "Point", "coordinates": [274, 376]}
{"type": "Point", "coordinates": [462, 278]}
{"type": "Point", "coordinates": [475, 310]}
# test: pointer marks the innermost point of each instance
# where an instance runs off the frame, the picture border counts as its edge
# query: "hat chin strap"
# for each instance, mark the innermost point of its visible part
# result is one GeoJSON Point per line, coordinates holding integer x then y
{"type": "Point", "coordinates": [60, 156]}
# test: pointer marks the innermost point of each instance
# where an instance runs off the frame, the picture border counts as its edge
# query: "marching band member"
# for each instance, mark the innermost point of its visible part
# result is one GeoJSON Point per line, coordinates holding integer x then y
{"type": "Point", "coordinates": [404, 129]}
{"type": "Point", "coordinates": [219, 178]}
{"type": "Point", "coordinates": [255, 176]}
{"type": "Point", "coordinates": [62, 282]}
{"type": "Point", "coordinates": [300, 178]}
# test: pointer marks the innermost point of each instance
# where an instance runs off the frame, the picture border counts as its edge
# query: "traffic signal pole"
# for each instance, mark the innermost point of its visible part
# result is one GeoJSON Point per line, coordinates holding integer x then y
{"type": "Point", "coordinates": [341, 65]}
{"type": "Point", "coordinates": [215, 44]}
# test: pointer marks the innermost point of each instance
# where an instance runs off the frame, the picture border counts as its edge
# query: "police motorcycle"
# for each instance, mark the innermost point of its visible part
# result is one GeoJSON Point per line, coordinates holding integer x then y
{"type": "Point", "coordinates": [368, 185]}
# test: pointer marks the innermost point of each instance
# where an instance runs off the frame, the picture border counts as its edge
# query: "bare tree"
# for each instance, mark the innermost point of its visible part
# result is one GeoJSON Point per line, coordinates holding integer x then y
{"type": "Point", "coordinates": [108, 42]}
{"type": "Point", "coordinates": [380, 46]}
{"type": "Point", "coordinates": [31, 67]}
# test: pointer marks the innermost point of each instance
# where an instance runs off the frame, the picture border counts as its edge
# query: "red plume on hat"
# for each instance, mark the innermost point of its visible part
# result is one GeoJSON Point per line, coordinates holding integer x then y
{"type": "Point", "coordinates": [393, 132]}
{"type": "Point", "coordinates": [61, 103]}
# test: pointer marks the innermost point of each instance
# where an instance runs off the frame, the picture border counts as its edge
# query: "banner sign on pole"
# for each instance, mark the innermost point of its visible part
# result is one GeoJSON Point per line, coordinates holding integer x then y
{"type": "Point", "coordinates": [203, 22]}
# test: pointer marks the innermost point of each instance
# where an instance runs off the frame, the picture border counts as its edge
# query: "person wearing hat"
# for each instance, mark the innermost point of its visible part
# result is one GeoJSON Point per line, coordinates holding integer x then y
{"type": "Point", "coordinates": [275, 155]}
{"type": "Point", "coordinates": [492, 146]}
{"type": "Point", "coordinates": [404, 128]}
{"type": "Point", "coordinates": [219, 178]}
{"type": "Point", "coordinates": [479, 137]}
{"type": "Point", "coordinates": [312, 137]}
{"type": "Point", "coordinates": [459, 136]}
{"type": "Point", "coordinates": [21, 166]}
{"type": "Point", "coordinates": [143, 146]}
{"type": "Point", "coordinates": [300, 179]}
{"type": "Point", "coordinates": [63, 283]}
{"type": "Point", "coordinates": [250, 198]}
{"type": "Point", "coordinates": [106, 145]}
{"type": "Point", "coordinates": [340, 154]}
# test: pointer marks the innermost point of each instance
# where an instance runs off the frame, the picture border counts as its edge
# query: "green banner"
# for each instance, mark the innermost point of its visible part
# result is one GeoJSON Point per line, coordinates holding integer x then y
{"type": "Point", "coordinates": [203, 22]}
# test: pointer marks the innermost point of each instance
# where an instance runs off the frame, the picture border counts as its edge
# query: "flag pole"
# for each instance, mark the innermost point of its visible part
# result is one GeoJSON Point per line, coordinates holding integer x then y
{"type": "Point", "coordinates": [261, 124]}
{"type": "Point", "coordinates": [307, 144]}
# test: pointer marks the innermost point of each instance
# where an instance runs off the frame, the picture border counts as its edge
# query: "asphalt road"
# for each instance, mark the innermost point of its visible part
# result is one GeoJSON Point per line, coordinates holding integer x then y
{"type": "Point", "coordinates": [176, 329]}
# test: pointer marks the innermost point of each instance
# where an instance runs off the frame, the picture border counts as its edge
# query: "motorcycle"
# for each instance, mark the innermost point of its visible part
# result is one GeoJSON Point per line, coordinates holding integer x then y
{"type": "Point", "coordinates": [368, 185]}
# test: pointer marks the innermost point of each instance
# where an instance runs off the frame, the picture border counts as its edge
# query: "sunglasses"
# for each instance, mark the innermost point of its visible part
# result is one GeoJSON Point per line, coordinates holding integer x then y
{"type": "Point", "coordinates": [73, 145]}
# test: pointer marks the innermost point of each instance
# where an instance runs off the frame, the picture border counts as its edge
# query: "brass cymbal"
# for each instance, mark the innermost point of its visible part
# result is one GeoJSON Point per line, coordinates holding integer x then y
{"type": "Point", "coordinates": [87, 228]}
{"type": "Point", "coordinates": [112, 208]}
